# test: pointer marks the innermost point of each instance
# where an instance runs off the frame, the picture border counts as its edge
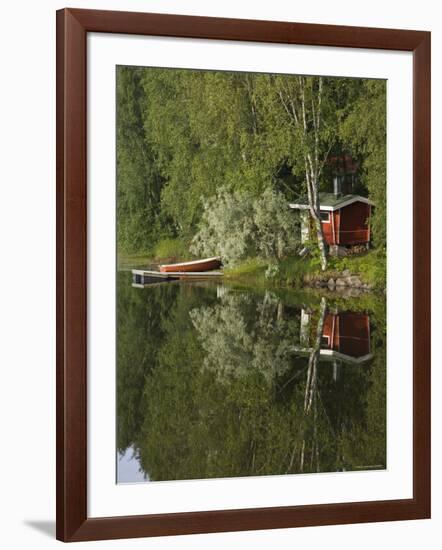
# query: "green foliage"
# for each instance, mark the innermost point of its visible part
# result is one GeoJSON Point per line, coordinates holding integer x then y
{"type": "Point", "coordinates": [206, 383]}
{"type": "Point", "coordinates": [313, 256]}
{"type": "Point", "coordinates": [288, 272]}
{"type": "Point", "coordinates": [202, 131]}
{"type": "Point", "coordinates": [371, 267]}
{"type": "Point", "coordinates": [284, 135]}
{"type": "Point", "coordinates": [237, 226]}
{"type": "Point", "coordinates": [183, 135]}
{"type": "Point", "coordinates": [171, 248]}
{"type": "Point", "coordinates": [365, 131]}
{"type": "Point", "coordinates": [291, 271]}
{"type": "Point", "coordinates": [139, 182]}
{"type": "Point", "coordinates": [277, 228]}
{"type": "Point", "coordinates": [252, 269]}
{"type": "Point", "coordinates": [227, 228]}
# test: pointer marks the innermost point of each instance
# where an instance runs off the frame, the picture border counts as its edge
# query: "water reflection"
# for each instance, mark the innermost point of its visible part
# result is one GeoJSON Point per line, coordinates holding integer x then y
{"type": "Point", "coordinates": [129, 469]}
{"type": "Point", "coordinates": [219, 381]}
{"type": "Point", "coordinates": [345, 336]}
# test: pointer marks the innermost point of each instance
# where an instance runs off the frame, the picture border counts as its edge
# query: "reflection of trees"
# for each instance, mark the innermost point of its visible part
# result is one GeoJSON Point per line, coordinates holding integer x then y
{"type": "Point", "coordinates": [221, 392]}
{"type": "Point", "coordinates": [312, 370]}
{"type": "Point", "coordinates": [243, 334]}
{"type": "Point", "coordinates": [139, 331]}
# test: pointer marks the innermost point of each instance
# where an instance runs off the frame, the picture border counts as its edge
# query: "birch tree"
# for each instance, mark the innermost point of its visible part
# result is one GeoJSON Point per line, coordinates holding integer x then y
{"type": "Point", "coordinates": [302, 102]}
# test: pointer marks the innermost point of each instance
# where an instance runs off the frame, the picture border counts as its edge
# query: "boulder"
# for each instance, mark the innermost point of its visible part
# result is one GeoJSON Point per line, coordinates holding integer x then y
{"type": "Point", "coordinates": [352, 292]}
{"type": "Point", "coordinates": [339, 251]}
{"type": "Point", "coordinates": [353, 281]}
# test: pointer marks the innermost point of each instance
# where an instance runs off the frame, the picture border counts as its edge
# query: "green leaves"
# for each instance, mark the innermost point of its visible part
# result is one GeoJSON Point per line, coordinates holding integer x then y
{"type": "Point", "coordinates": [235, 225]}
{"type": "Point", "coordinates": [184, 134]}
{"type": "Point", "coordinates": [365, 131]}
{"type": "Point", "coordinates": [139, 180]}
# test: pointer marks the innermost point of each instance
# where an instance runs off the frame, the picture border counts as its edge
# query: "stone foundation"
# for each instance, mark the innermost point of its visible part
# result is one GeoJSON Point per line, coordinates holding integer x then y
{"type": "Point", "coordinates": [339, 281]}
{"type": "Point", "coordinates": [339, 251]}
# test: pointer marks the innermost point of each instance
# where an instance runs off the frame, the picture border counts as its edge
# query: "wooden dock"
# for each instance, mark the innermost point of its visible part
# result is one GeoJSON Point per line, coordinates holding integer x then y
{"type": "Point", "coordinates": [142, 277]}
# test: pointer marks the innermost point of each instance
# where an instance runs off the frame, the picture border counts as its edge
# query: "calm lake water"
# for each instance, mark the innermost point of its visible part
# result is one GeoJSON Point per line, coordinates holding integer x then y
{"type": "Point", "coordinates": [218, 380]}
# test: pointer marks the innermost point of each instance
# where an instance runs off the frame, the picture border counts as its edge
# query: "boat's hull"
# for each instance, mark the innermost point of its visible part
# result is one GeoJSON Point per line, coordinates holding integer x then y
{"type": "Point", "coordinates": [192, 267]}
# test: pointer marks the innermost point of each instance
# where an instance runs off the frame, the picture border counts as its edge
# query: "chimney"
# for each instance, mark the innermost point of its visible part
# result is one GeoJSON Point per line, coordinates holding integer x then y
{"type": "Point", "coordinates": [337, 185]}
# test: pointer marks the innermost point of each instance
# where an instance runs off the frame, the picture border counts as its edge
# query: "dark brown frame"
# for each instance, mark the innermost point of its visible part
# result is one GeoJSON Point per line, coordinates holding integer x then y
{"type": "Point", "coordinates": [72, 521]}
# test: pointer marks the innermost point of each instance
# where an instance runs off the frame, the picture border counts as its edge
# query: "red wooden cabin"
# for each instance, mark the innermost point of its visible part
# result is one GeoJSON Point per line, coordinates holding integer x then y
{"type": "Point", "coordinates": [345, 219]}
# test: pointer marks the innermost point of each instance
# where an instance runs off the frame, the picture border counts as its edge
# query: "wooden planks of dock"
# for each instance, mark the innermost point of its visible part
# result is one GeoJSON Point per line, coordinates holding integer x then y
{"type": "Point", "coordinates": [145, 276]}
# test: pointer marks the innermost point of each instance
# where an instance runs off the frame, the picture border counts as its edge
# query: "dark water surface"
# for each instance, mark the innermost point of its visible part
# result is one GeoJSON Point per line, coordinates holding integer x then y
{"type": "Point", "coordinates": [217, 380]}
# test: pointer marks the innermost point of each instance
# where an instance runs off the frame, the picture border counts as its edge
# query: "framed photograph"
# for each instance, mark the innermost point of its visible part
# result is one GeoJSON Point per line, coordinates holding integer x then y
{"type": "Point", "coordinates": [243, 274]}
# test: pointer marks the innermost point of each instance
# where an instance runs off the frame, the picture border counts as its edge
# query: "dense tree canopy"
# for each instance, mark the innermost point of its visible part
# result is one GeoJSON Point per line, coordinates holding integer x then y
{"type": "Point", "coordinates": [182, 135]}
{"type": "Point", "coordinates": [365, 131]}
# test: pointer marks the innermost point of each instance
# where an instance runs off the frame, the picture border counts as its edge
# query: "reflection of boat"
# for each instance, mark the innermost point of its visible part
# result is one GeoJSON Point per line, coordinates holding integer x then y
{"type": "Point", "coordinates": [345, 337]}
{"type": "Point", "coordinates": [208, 264]}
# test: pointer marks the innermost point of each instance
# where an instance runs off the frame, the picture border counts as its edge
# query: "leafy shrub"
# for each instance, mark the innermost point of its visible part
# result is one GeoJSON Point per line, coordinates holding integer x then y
{"type": "Point", "coordinates": [236, 226]}
{"type": "Point", "coordinates": [276, 225]}
{"type": "Point", "coordinates": [272, 271]}
{"type": "Point", "coordinates": [227, 228]}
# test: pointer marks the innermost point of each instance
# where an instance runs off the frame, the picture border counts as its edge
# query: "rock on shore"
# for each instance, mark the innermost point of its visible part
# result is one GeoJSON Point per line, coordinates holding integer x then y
{"type": "Point", "coordinates": [340, 281]}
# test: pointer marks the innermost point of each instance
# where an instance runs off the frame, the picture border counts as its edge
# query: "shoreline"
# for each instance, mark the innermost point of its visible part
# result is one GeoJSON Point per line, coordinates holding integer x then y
{"type": "Point", "coordinates": [354, 275]}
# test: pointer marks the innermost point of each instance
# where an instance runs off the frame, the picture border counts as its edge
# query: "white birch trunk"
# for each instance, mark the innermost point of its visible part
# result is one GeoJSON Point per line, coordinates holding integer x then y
{"type": "Point", "coordinates": [305, 116]}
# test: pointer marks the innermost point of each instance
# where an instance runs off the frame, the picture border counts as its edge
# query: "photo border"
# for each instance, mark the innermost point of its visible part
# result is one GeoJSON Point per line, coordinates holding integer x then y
{"type": "Point", "coordinates": [73, 25]}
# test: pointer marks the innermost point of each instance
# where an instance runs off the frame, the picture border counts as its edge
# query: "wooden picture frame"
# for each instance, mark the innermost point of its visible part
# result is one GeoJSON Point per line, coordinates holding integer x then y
{"type": "Point", "coordinates": [73, 523]}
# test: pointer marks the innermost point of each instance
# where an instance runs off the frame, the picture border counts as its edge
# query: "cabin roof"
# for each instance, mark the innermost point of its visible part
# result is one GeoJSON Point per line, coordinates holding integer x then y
{"type": "Point", "coordinates": [332, 355]}
{"type": "Point", "coordinates": [330, 201]}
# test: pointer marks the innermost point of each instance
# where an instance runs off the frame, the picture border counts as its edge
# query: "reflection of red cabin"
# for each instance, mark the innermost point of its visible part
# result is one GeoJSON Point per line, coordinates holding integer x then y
{"type": "Point", "coordinates": [345, 218]}
{"type": "Point", "coordinates": [347, 333]}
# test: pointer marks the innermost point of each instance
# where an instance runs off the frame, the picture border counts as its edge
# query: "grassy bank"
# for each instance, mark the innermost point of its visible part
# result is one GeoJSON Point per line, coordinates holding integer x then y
{"type": "Point", "coordinates": [164, 251]}
{"type": "Point", "coordinates": [292, 272]}
{"type": "Point", "coordinates": [295, 271]}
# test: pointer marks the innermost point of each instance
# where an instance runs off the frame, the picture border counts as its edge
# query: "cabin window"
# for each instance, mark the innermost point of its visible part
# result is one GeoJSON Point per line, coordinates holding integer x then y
{"type": "Point", "coordinates": [325, 217]}
{"type": "Point", "coordinates": [325, 340]}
